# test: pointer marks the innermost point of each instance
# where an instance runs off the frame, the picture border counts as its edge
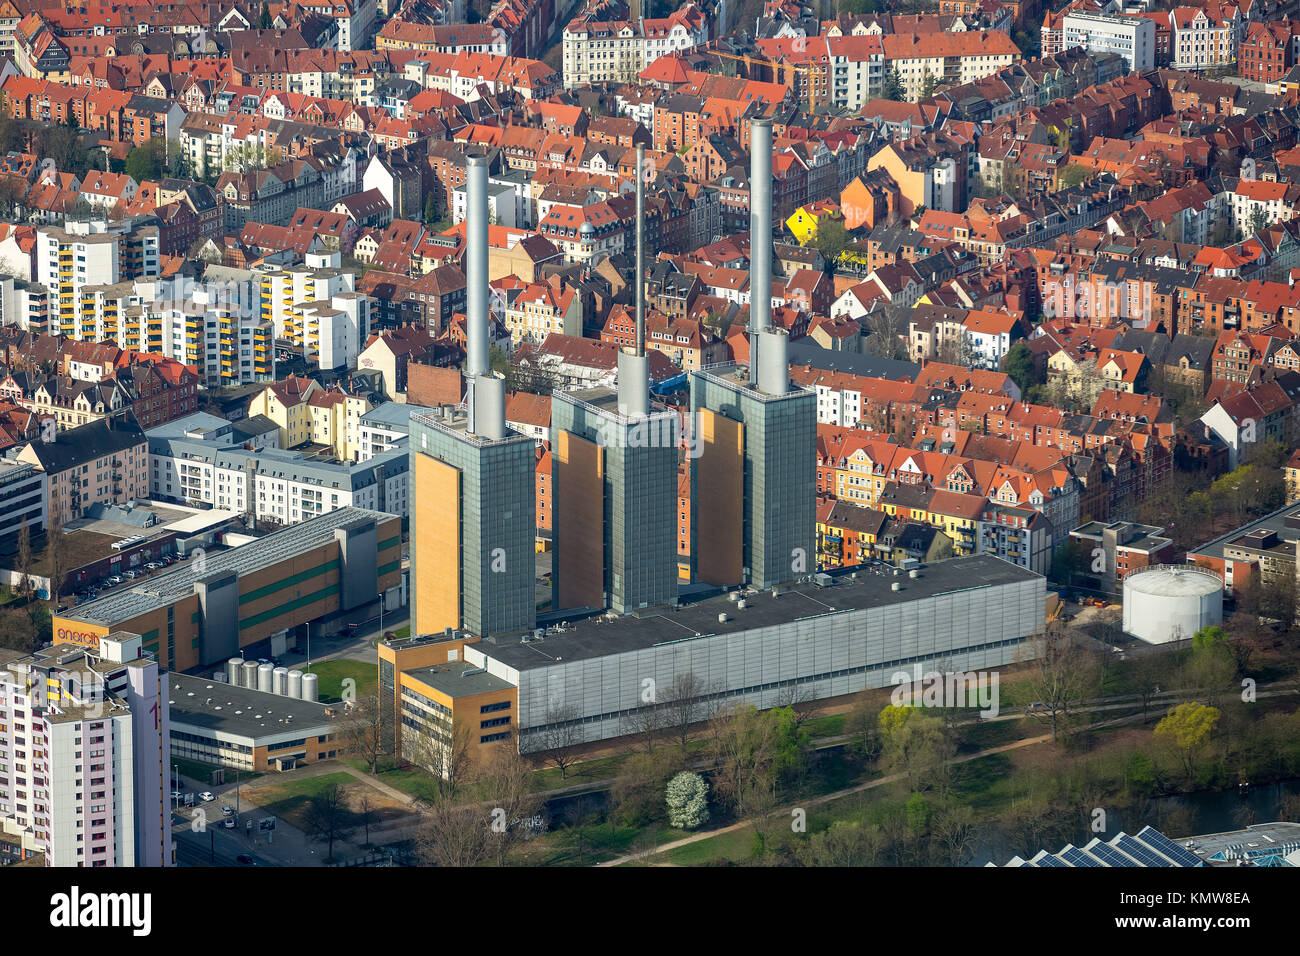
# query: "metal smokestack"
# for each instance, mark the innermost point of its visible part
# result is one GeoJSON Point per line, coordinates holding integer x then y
{"type": "Point", "coordinates": [640, 249]}
{"type": "Point", "coordinates": [634, 368]}
{"type": "Point", "coordinates": [476, 268]}
{"type": "Point", "coordinates": [760, 236]}
{"type": "Point", "coordinates": [485, 391]}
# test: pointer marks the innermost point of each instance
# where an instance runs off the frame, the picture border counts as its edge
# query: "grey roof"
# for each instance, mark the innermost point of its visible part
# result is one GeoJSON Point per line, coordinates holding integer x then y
{"type": "Point", "coordinates": [459, 679]}
{"type": "Point", "coordinates": [86, 443]}
{"type": "Point", "coordinates": [396, 416]}
{"type": "Point", "coordinates": [213, 706]}
{"type": "Point", "coordinates": [159, 590]}
{"type": "Point", "coordinates": [593, 637]}
{"type": "Point", "coordinates": [805, 351]}
{"type": "Point", "coordinates": [250, 427]}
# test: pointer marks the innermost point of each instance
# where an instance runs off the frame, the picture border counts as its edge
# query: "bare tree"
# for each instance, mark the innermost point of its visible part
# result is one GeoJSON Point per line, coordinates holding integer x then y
{"type": "Point", "coordinates": [361, 731]}
{"type": "Point", "coordinates": [646, 724]}
{"type": "Point", "coordinates": [446, 755]}
{"type": "Point", "coordinates": [23, 563]}
{"type": "Point", "coordinates": [801, 701]}
{"type": "Point", "coordinates": [557, 738]}
{"type": "Point", "coordinates": [328, 817]}
{"type": "Point", "coordinates": [507, 785]}
{"type": "Point", "coordinates": [685, 703]}
{"type": "Point", "coordinates": [1058, 673]}
{"type": "Point", "coordinates": [953, 829]}
{"type": "Point", "coordinates": [454, 835]}
{"type": "Point", "coordinates": [56, 549]}
{"type": "Point", "coordinates": [365, 814]}
{"type": "Point", "coordinates": [886, 331]}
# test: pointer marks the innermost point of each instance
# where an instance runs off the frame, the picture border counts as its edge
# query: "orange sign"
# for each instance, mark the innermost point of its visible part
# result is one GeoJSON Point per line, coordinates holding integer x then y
{"type": "Point", "coordinates": [66, 635]}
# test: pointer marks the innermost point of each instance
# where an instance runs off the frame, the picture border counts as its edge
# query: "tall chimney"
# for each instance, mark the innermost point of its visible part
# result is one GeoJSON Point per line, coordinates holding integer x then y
{"type": "Point", "coordinates": [485, 391]}
{"type": "Point", "coordinates": [476, 267]}
{"type": "Point", "coordinates": [760, 236]}
{"type": "Point", "coordinates": [634, 368]}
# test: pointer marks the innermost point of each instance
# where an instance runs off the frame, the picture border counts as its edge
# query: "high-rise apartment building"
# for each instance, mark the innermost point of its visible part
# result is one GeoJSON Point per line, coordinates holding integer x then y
{"type": "Point", "coordinates": [84, 754]}
{"type": "Point", "coordinates": [90, 253]}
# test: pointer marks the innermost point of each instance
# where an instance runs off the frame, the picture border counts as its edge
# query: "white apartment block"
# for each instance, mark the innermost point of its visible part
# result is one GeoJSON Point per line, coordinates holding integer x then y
{"type": "Point", "coordinates": [617, 51]}
{"type": "Point", "coordinates": [196, 461]}
{"type": "Point", "coordinates": [317, 310]}
{"type": "Point", "coordinates": [89, 254]}
{"type": "Point", "coordinates": [84, 752]}
{"type": "Point", "coordinates": [1133, 38]}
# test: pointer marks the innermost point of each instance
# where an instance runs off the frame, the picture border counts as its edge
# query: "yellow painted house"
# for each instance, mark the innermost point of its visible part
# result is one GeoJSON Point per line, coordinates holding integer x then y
{"type": "Point", "coordinates": [803, 221]}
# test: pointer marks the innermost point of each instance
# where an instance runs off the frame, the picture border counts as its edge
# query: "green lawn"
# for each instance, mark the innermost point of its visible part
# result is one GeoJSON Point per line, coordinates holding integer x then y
{"type": "Point", "coordinates": [202, 772]}
{"type": "Point", "coordinates": [403, 632]}
{"type": "Point", "coordinates": [289, 799]}
{"type": "Point", "coordinates": [333, 673]}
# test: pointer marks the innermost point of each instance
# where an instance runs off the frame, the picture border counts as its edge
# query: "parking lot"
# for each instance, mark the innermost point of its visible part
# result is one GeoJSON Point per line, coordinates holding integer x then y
{"type": "Point", "coordinates": [127, 577]}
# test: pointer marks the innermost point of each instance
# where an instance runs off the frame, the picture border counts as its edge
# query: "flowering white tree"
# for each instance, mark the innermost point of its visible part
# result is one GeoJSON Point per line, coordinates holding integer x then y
{"type": "Point", "coordinates": [688, 801]}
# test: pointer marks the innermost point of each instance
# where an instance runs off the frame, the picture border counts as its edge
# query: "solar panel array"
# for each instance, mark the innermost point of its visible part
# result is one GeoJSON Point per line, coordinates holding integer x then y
{"type": "Point", "coordinates": [1180, 855]}
{"type": "Point", "coordinates": [1150, 848]}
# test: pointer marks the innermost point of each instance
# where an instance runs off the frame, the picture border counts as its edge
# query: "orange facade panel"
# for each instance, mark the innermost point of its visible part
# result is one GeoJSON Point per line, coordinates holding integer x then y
{"type": "Point", "coordinates": [720, 486]}
{"type": "Point", "coordinates": [578, 518]}
{"type": "Point", "coordinates": [435, 545]}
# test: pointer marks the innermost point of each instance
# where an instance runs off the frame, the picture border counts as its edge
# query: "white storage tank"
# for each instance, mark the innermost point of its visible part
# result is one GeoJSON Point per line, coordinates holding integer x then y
{"type": "Point", "coordinates": [1171, 602]}
{"type": "Point", "coordinates": [249, 677]}
{"type": "Point", "coordinates": [280, 681]}
{"type": "Point", "coordinates": [232, 670]}
{"type": "Point", "coordinates": [310, 687]}
{"type": "Point", "coordinates": [264, 672]}
{"type": "Point", "coordinates": [295, 684]}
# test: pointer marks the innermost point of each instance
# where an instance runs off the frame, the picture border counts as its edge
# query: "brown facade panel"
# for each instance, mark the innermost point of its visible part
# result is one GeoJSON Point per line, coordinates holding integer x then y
{"type": "Point", "coordinates": [719, 516]}
{"type": "Point", "coordinates": [579, 521]}
{"type": "Point", "coordinates": [435, 545]}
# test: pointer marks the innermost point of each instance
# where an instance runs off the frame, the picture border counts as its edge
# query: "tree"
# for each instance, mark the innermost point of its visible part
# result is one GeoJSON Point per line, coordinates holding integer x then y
{"type": "Point", "coordinates": [56, 548]}
{"type": "Point", "coordinates": [831, 238]}
{"type": "Point", "coordinates": [1148, 676]}
{"type": "Point", "coordinates": [264, 19]}
{"type": "Point", "coordinates": [1211, 667]}
{"type": "Point", "coordinates": [505, 782]}
{"type": "Point", "coordinates": [328, 818]}
{"type": "Point", "coordinates": [928, 84]}
{"type": "Point", "coordinates": [1057, 673]}
{"type": "Point", "coordinates": [886, 330]}
{"type": "Point", "coordinates": [147, 162]}
{"type": "Point", "coordinates": [1074, 175]}
{"type": "Point", "coordinates": [445, 754]}
{"type": "Point", "coordinates": [1019, 364]}
{"type": "Point", "coordinates": [753, 751]}
{"type": "Point", "coordinates": [1258, 221]}
{"type": "Point", "coordinates": [453, 835]}
{"type": "Point", "coordinates": [894, 87]}
{"type": "Point", "coordinates": [687, 796]}
{"type": "Point", "coordinates": [637, 793]}
{"type": "Point", "coordinates": [646, 724]}
{"type": "Point", "coordinates": [915, 745]}
{"type": "Point", "coordinates": [561, 732]}
{"type": "Point", "coordinates": [844, 843]}
{"type": "Point", "coordinates": [23, 562]}
{"type": "Point", "coordinates": [430, 210]}
{"type": "Point", "coordinates": [360, 731]}
{"type": "Point", "coordinates": [685, 704]}
{"type": "Point", "coordinates": [953, 828]}
{"type": "Point", "coordinates": [365, 814]}
{"type": "Point", "coordinates": [1188, 727]}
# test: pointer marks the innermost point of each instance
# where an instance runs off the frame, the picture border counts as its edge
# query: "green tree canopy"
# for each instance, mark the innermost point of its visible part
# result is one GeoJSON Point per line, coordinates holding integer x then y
{"type": "Point", "coordinates": [1020, 365]}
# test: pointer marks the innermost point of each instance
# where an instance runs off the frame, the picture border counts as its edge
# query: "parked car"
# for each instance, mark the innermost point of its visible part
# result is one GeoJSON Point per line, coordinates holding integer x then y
{"type": "Point", "coordinates": [152, 566]}
{"type": "Point", "coordinates": [228, 823]}
{"type": "Point", "coordinates": [176, 795]}
{"type": "Point", "coordinates": [228, 811]}
{"type": "Point", "coordinates": [206, 796]}
{"type": "Point", "coordinates": [132, 575]}
{"type": "Point", "coordinates": [115, 579]}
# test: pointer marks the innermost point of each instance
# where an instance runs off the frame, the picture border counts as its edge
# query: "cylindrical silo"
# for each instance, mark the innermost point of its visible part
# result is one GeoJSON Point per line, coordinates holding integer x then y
{"type": "Point", "coordinates": [295, 684]}
{"type": "Point", "coordinates": [264, 672]}
{"type": "Point", "coordinates": [280, 681]}
{"type": "Point", "coordinates": [310, 687]}
{"type": "Point", "coordinates": [249, 678]}
{"type": "Point", "coordinates": [232, 670]}
{"type": "Point", "coordinates": [1171, 603]}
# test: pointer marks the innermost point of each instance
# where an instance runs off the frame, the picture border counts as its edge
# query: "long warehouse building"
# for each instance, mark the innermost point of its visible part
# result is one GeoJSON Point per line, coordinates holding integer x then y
{"type": "Point", "coordinates": [839, 637]}
{"type": "Point", "coordinates": [207, 609]}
